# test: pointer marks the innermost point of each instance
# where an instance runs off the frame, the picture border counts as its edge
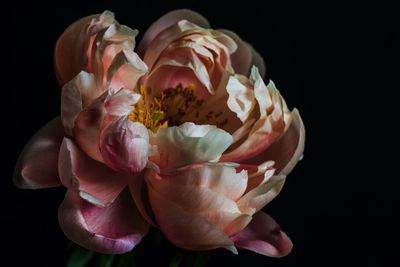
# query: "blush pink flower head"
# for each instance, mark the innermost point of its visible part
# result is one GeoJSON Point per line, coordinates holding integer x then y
{"type": "Point", "coordinates": [183, 135]}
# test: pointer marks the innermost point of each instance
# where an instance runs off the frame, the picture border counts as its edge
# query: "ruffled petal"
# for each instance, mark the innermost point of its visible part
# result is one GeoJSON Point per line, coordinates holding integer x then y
{"type": "Point", "coordinates": [121, 102]}
{"type": "Point", "coordinates": [93, 180]}
{"type": "Point", "coordinates": [264, 236]}
{"type": "Point", "coordinates": [125, 146]}
{"type": "Point", "coordinates": [37, 164]}
{"type": "Point", "coordinates": [166, 21]}
{"type": "Point", "coordinates": [178, 148]}
{"type": "Point", "coordinates": [75, 95]}
{"type": "Point", "coordinates": [274, 120]}
{"type": "Point", "coordinates": [241, 98]}
{"type": "Point", "coordinates": [113, 230]}
{"type": "Point", "coordinates": [288, 150]}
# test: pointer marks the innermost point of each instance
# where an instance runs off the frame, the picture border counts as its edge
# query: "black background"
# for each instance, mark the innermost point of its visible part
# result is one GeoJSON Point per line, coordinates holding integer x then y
{"type": "Point", "coordinates": [335, 61]}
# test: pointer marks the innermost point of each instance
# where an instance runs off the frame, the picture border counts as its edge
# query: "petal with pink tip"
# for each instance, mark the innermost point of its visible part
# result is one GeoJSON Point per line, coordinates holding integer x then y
{"type": "Point", "coordinates": [37, 164]}
{"type": "Point", "coordinates": [168, 20]}
{"type": "Point", "coordinates": [185, 229]}
{"type": "Point", "coordinates": [125, 146]}
{"type": "Point", "coordinates": [113, 230]}
{"type": "Point", "coordinates": [264, 236]}
{"type": "Point", "coordinates": [94, 181]}
{"type": "Point", "coordinates": [288, 150]}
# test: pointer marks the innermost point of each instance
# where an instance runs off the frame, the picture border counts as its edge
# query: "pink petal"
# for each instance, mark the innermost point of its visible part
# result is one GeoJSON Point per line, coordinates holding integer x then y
{"type": "Point", "coordinates": [264, 236]}
{"type": "Point", "coordinates": [288, 150]}
{"type": "Point", "coordinates": [70, 52]}
{"type": "Point", "coordinates": [138, 189]}
{"type": "Point", "coordinates": [186, 229]}
{"type": "Point", "coordinates": [113, 230]}
{"type": "Point", "coordinates": [94, 181]}
{"type": "Point", "coordinates": [166, 21]}
{"type": "Point", "coordinates": [125, 146]}
{"type": "Point", "coordinates": [37, 164]}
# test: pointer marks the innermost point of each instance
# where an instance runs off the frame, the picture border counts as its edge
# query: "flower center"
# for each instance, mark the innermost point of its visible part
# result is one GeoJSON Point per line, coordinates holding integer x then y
{"type": "Point", "coordinates": [167, 109]}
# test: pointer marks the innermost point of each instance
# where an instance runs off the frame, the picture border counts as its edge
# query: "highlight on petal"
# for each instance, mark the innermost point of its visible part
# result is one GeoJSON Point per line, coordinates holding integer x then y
{"type": "Point", "coordinates": [93, 180]}
{"type": "Point", "coordinates": [274, 120]}
{"type": "Point", "coordinates": [76, 94]}
{"type": "Point", "coordinates": [112, 230]}
{"type": "Point", "coordinates": [125, 146]}
{"type": "Point", "coordinates": [264, 236]}
{"type": "Point", "coordinates": [37, 164]}
{"type": "Point", "coordinates": [190, 143]}
{"type": "Point", "coordinates": [121, 103]}
{"type": "Point", "coordinates": [288, 150]}
{"type": "Point", "coordinates": [168, 20]}
{"type": "Point", "coordinates": [241, 98]}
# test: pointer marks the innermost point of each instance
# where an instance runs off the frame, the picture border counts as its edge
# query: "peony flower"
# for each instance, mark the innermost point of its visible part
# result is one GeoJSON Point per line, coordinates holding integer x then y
{"type": "Point", "coordinates": [183, 135]}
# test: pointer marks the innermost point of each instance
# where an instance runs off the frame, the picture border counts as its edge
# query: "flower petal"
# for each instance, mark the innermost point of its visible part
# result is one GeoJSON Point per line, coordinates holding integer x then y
{"type": "Point", "coordinates": [37, 164]}
{"type": "Point", "coordinates": [288, 150]}
{"type": "Point", "coordinates": [185, 229]}
{"type": "Point", "coordinates": [274, 120]}
{"type": "Point", "coordinates": [121, 102]}
{"type": "Point", "coordinates": [168, 20]}
{"type": "Point", "coordinates": [178, 149]}
{"type": "Point", "coordinates": [76, 94]}
{"type": "Point", "coordinates": [94, 181]}
{"type": "Point", "coordinates": [73, 45]}
{"type": "Point", "coordinates": [125, 146]}
{"type": "Point", "coordinates": [241, 98]}
{"type": "Point", "coordinates": [264, 236]}
{"type": "Point", "coordinates": [113, 230]}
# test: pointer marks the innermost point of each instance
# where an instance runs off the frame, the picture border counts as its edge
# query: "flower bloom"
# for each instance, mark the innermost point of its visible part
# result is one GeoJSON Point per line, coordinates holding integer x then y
{"type": "Point", "coordinates": [183, 135]}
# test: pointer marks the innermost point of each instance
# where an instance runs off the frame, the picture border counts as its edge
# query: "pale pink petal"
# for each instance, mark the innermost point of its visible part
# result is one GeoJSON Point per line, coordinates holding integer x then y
{"type": "Point", "coordinates": [94, 181]}
{"type": "Point", "coordinates": [138, 189]}
{"type": "Point", "coordinates": [125, 71]}
{"type": "Point", "coordinates": [257, 198]}
{"type": "Point", "coordinates": [37, 164]}
{"type": "Point", "coordinates": [125, 146]}
{"type": "Point", "coordinates": [87, 128]}
{"type": "Point", "coordinates": [264, 236]}
{"type": "Point", "coordinates": [113, 230]}
{"type": "Point", "coordinates": [168, 20]}
{"type": "Point", "coordinates": [242, 58]}
{"type": "Point", "coordinates": [288, 150]}
{"type": "Point", "coordinates": [121, 103]}
{"type": "Point", "coordinates": [76, 94]}
{"type": "Point", "coordinates": [185, 229]}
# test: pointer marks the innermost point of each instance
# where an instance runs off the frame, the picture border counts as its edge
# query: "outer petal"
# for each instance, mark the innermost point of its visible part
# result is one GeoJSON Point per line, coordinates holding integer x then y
{"type": "Point", "coordinates": [168, 20]}
{"type": "Point", "coordinates": [125, 146]}
{"type": "Point", "coordinates": [94, 181]}
{"type": "Point", "coordinates": [37, 165]}
{"type": "Point", "coordinates": [263, 235]}
{"type": "Point", "coordinates": [288, 150]}
{"type": "Point", "coordinates": [176, 148]}
{"type": "Point", "coordinates": [72, 46]}
{"type": "Point", "coordinates": [185, 229]}
{"type": "Point", "coordinates": [76, 94]}
{"type": "Point", "coordinates": [114, 230]}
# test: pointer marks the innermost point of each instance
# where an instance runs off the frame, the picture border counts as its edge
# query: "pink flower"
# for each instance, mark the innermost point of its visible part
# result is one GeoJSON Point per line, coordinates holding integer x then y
{"type": "Point", "coordinates": [183, 140]}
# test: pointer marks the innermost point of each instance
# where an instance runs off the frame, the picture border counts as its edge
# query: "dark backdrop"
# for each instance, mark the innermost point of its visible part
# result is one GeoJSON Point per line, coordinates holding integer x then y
{"type": "Point", "coordinates": [334, 61]}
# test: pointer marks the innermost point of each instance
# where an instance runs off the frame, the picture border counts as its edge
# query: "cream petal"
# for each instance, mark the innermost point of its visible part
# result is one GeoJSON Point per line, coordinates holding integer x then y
{"type": "Point", "coordinates": [241, 98]}
{"type": "Point", "coordinates": [121, 103]}
{"type": "Point", "coordinates": [37, 164]}
{"type": "Point", "coordinates": [94, 181]}
{"type": "Point", "coordinates": [177, 149]}
{"type": "Point", "coordinates": [166, 21]}
{"type": "Point", "coordinates": [125, 146]}
{"type": "Point", "coordinates": [112, 230]}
